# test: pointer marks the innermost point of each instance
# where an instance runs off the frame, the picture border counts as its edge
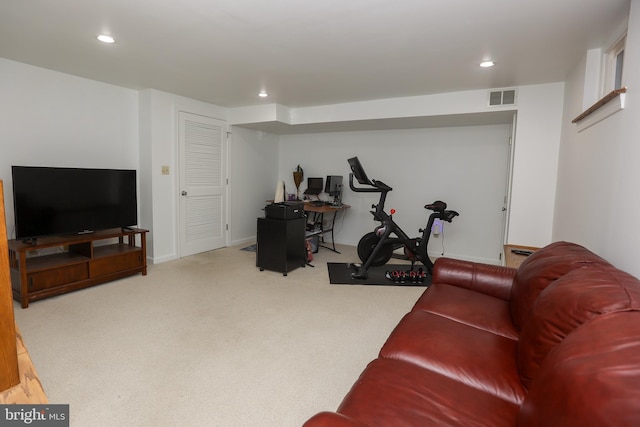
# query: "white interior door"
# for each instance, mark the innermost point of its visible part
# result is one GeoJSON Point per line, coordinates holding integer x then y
{"type": "Point", "coordinates": [202, 183]}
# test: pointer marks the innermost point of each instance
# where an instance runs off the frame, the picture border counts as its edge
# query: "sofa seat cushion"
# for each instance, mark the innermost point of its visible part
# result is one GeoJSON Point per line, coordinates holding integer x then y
{"type": "Point", "coordinates": [477, 358]}
{"type": "Point", "coordinates": [471, 308]}
{"type": "Point", "coordinates": [569, 302]}
{"type": "Point", "coordinates": [392, 393]}
{"type": "Point", "coordinates": [540, 269]}
{"type": "Point", "coordinates": [591, 379]}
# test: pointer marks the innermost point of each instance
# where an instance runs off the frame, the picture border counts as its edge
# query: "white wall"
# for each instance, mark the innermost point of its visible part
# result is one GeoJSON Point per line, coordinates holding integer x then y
{"type": "Point", "coordinates": [253, 159]}
{"type": "Point", "coordinates": [535, 164]}
{"type": "Point", "coordinates": [52, 118]}
{"type": "Point", "coordinates": [58, 119]}
{"type": "Point", "coordinates": [464, 166]}
{"type": "Point", "coordinates": [146, 175]}
{"type": "Point", "coordinates": [49, 118]}
{"type": "Point", "coordinates": [253, 176]}
{"type": "Point", "coordinates": [158, 147]}
{"type": "Point", "coordinates": [251, 156]}
{"type": "Point", "coordinates": [538, 130]}
{"type": "Point", "coordinates": [597, 202]}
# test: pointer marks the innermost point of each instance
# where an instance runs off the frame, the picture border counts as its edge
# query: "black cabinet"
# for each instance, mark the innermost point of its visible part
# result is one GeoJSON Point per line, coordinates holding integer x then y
{"type": "Point", "coordinates": [281, 244]}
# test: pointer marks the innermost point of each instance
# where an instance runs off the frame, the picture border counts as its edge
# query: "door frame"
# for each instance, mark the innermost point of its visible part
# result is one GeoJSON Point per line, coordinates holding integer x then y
{"type": "Point", "coordinates": [176, 180]}
{"type": "Point", "coordinates": [507, 205]}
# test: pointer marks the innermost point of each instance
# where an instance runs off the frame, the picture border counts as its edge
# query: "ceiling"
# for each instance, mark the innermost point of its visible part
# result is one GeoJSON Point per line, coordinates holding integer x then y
{"type": "Point", "coordinates": [306, 53]}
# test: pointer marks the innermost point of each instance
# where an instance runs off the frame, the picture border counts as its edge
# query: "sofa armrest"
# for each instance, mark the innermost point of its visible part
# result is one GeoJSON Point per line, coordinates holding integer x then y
{"type": "Point", "coordinates": [489, 279]}
{"type": "Point", "coordinates": [332, 419]}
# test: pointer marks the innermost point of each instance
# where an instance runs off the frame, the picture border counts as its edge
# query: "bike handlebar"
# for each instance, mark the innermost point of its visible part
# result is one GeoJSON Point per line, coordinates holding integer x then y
{"type": "Point", "coordinates": [438, 206]}
{"type": "Point", "coordinates": [439, 210]}
{"type": "Point", "coordinates": [449, 215]}
{"type": "Point", "coordinates": [378, 186]}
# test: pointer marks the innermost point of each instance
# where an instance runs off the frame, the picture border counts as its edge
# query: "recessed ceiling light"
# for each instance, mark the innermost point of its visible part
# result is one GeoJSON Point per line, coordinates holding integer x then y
{"type": "Point", "coordinates": [487, 64]}
{"type": "Point", "coordinates": [106, 39]}
{"type": "Point", "coordinates": [263, 94]}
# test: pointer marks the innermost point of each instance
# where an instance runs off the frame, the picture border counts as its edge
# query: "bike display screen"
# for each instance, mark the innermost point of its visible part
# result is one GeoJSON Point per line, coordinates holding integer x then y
{"type": "Point", "coordinates": [358, 171]}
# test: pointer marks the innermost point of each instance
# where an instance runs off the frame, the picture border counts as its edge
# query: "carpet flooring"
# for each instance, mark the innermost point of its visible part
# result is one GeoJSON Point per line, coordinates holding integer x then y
{"type": "Point", "coordinates": [210, 340]}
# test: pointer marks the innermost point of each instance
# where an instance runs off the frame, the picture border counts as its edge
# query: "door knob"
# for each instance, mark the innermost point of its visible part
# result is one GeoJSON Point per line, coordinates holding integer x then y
{"type": "Point", "coordinates": [184, 193]}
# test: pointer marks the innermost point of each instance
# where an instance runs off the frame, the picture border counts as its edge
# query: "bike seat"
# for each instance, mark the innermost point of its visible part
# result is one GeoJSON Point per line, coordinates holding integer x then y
{"type": "Point", "coordinates": [438, 206]}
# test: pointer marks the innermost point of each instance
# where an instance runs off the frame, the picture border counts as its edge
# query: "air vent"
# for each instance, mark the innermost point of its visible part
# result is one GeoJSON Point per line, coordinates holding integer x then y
{"type": "Point", "coordinates": [502, 97]}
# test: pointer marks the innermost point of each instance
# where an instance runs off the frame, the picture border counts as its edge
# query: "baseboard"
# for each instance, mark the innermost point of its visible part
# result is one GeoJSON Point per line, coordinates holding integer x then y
{"type": "Point", "coordinates": [158, 260]}
{"type": "Point", "coordinates": [436, 255]}
{"type": "Point", "coordinates": [243, 241]}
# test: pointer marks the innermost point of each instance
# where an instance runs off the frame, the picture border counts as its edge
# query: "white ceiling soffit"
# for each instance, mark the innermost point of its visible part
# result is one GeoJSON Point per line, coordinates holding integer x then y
{"type": "Point", "coordinates": [451, 120]}
{"type": "Point", "coordinates": [308, 53]}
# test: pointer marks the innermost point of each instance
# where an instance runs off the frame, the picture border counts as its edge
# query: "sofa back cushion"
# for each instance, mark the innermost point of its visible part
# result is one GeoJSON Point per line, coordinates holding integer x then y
{"type": "Point", "coordinates": [569, 302]}
{"type": "Point", "coordinates": [542, 268]}
{"type": "Point", "coordinates": [591, 379]}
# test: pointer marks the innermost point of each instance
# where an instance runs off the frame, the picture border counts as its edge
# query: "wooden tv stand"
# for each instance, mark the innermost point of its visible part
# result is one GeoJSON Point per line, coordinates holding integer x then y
{"type": "Point", "coordinates": [85, 260]}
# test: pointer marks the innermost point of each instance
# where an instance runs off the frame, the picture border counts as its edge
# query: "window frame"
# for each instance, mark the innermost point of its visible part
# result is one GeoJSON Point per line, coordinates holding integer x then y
{"type": "Point", "coordinates": [614, 66]}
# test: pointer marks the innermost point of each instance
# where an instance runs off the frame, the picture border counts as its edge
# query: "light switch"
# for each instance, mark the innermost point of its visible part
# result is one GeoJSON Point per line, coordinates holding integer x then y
{"type": "Point", "coordinates": [165, 170]}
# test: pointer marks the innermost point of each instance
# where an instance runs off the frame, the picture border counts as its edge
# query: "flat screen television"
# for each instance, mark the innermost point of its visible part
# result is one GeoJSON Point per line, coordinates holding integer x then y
{"type": "Point", "coordinates": [55, 201]}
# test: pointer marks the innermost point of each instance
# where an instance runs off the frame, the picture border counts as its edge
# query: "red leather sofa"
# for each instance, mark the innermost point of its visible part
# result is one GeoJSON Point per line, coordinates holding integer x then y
{"type": "Point", "coordinates": [554, 343]}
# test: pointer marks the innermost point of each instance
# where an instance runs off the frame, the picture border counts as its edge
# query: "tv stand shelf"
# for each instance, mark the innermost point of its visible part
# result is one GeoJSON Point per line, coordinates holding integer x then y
{"type": "Point", "coordinates": [85, 260]}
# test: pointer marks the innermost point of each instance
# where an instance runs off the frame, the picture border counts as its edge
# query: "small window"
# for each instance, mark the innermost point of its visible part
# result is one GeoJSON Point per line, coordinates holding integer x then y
{"type": "Point", "coordinates": [618, 67]}
{"type": "Point", "coordinates": [615, 66]}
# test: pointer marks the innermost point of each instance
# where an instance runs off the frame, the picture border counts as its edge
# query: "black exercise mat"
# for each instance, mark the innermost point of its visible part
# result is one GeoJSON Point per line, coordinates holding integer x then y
{"type": "Point", "coordinates": [340, 274]}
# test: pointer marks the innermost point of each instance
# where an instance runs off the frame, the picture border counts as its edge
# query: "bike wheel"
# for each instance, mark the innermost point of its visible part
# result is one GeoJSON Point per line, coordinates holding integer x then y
{"type": "Point", "coordinates": [367, 244]}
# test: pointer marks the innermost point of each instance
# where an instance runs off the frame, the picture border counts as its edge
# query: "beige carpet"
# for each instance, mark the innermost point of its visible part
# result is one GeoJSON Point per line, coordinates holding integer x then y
{"type": "Point", "coordinates": [209, 340]}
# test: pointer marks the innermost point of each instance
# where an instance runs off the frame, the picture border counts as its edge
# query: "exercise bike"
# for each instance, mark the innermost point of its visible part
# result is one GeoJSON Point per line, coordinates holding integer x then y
{"type": "Point", "coordinates": [376, 248]}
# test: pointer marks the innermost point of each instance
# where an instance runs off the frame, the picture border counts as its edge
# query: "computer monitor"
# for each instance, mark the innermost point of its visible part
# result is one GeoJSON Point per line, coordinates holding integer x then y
{"type": "Point", "coordinates": [333, 185]}
{"type": "Point", "coordinates": [358, 171]}
{"type": "Point", "coordinates": [314, 186]}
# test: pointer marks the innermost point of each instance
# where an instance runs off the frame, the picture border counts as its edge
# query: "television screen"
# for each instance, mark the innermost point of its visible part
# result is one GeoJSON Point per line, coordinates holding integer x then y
{"type": "Point", "coordinates": [53, 201]}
